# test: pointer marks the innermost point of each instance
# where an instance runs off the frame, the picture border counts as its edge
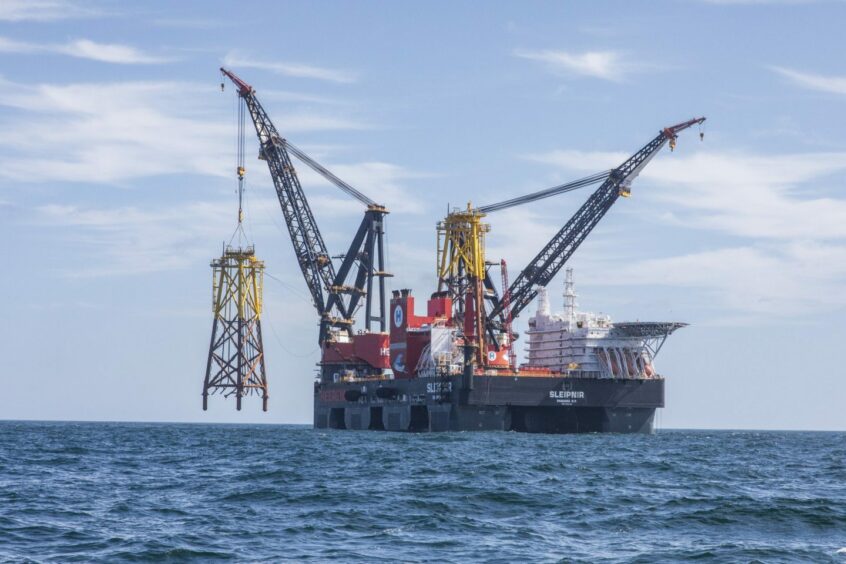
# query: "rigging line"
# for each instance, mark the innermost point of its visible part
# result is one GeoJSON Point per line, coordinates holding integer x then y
{"type": "Point", "coordinates": [290, 288]}
{"type": "Point", "coordinates": [325, 173]}
{"type": "Point", "coordinates": [286, 349]}
{"type": "Point", "coordinates": [240, 172]}
{"type": "Point", "coordinates": [548, 192]}
{"type": "Point", "coordinates": [249, 212]}
{"type": "Point", "coordinates": [235, 106]}
{"type": "Point", "coordinates": [274, 221]}
{"type": "Point", "coordinates": [238, 228]}
{"type": "Point", "coordinates": [249, 238]}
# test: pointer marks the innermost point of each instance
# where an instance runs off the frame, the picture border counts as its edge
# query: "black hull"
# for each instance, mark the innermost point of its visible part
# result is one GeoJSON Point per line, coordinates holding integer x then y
{"type": "Point", "coordinates": [491, 403]}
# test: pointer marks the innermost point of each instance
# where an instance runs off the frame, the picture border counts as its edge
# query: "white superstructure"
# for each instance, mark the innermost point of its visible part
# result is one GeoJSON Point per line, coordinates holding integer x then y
{"type": "Point", "coordinates": [589, 344]}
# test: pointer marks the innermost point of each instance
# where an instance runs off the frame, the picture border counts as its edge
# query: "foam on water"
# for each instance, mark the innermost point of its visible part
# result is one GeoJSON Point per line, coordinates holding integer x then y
{"type": "Point", "coordinates": [114, 492]}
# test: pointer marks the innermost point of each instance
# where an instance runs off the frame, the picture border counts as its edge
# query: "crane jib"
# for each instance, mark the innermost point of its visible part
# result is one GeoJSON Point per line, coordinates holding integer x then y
{"type": "Point", "coordinates": [302, 227]}
{"type": "Point", "coordinates": [549, 261]}
{"type": "Point", "coordinates": [327, 286]}
{"type": "Point", "coordinates": [334, 300]}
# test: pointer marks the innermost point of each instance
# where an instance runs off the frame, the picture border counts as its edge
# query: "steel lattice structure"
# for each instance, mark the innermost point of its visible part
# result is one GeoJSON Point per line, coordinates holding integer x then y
{"type": "Point", "coordinates": [461, 261]}
{"type": "Point", "coordinates": [561, 247]}
{"type": "Point", "coordinates": [236, 355]}
{"type": "Point", "coordinates": [335, 300]}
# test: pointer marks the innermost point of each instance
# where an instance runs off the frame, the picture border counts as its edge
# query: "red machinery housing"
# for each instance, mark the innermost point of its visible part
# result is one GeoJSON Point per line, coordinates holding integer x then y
{"type": "Point", "coordinates": [368, 348]}
{"type": "Point", "coordinates": [411, 333]}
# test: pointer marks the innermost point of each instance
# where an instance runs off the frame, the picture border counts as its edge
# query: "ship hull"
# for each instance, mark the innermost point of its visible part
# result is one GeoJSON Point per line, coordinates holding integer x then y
{"type": "Point", "coordinates": [491, 403]}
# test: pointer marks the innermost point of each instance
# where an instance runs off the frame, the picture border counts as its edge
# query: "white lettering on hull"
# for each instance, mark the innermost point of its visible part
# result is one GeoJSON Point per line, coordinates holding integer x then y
{"type": "Point", "coordinates": [438, 387]}
{"type": "Point", "coordinates": [566, 397]}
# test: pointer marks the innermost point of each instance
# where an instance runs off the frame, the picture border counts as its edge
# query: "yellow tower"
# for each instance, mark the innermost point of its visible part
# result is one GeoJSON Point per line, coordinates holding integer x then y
{"type": "Point", "coordinates": [461, 270]}
{"type": "Point", "coordinates": [236, 355]}
{"type": "Point", "coordinates": [461, 245]}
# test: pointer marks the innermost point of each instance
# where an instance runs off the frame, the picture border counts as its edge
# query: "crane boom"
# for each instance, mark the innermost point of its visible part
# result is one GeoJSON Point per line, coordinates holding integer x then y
{"type": "Point", "coordinates": [552, 257]}
{"type": "Point", "coordinates": [328, 288]}
{"type": "Point", "coordinates": [309, 248]}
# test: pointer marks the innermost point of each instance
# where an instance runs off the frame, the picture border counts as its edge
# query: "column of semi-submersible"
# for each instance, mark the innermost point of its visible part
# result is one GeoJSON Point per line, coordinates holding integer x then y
{"type": "Point", "coordinates": [236, 355]}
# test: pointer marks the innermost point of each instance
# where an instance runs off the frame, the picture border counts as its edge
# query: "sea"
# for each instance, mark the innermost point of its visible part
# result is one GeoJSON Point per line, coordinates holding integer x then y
{"type": "Point", "coordinates": [132, 492]}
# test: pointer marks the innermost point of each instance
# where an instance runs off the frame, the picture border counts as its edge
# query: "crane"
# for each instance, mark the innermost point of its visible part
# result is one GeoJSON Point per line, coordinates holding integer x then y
{"type": "Point", "coordinates": [462, 269]}
{"type": "Point", "coordinates": [506, 311]}
{"type": "Point", "coordinates": [552, 257]}
{"type": "Point", "coordinates": [336, 301]}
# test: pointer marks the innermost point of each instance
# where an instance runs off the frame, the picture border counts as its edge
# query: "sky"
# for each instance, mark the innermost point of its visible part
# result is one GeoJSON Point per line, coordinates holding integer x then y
{"type": "Point", "coordinates": [118, 187]}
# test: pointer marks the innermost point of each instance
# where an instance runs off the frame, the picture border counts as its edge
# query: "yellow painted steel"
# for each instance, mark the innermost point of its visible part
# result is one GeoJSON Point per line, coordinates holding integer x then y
{"type": "Point", "coordinates": [238, 284]}
{"type": "Point", "coordinates": [236, 356]}
{"type": "Point", "coordinates": [461, 244]}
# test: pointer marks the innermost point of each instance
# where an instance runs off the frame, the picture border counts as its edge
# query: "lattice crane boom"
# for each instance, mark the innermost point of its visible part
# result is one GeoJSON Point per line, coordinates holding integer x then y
{"type": "Point", "coordinates": [555, 254]}
{"type": "Point", "coordinates": [328, 288]}
{"type": "Point", "coordinates": [309, 248]}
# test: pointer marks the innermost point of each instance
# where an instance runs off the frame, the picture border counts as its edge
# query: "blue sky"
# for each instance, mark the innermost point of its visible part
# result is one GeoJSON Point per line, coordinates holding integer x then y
{"type": "Point", "coordinates": [117, 184]}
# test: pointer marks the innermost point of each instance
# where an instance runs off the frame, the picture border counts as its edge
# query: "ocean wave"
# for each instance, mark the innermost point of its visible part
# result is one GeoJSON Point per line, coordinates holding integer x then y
{"type": "Point", "coordinates": [204, 493]}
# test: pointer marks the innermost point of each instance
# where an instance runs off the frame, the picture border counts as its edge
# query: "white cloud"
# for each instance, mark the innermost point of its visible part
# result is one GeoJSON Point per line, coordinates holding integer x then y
{"type": "Point", "coordinates": [138, 239]}
{"type": "Point", "coordinates": [757, 196]}
{"type": "Point", "coordinates": [607, 65]}
{"type": "Point", "coordinates": [236, 61]}
{"type": "Point", "coordinates": [742, 194]}
{"type": "Point", "coordinates": [108, 53]}
{"type": "Point", "coordinates": [797, 278]}
{"type": "Point", "coordinates": [811, 81]}
{"type": "Point", "coordinates": [131, 240]}
{"type": "Point", "coordinates": [794, 258]}
{"type": "Point", "coordinates": [11, 46]}
{"type": "Point", "coordinates": [84, 49]}
{"type": "Point", "coordinates": [114, 132]}
{"type": "Point", "coordinates": [111, 132]}
{"type": "Point", "coordinates": [383, 183]}
{"type": "Point", "coordinates": [518, 245]}
{"type": "Point", "coordinates": [42, 10]}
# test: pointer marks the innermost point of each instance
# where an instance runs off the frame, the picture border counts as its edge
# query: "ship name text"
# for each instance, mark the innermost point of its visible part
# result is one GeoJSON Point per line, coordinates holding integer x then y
{"type": "Point", "coordinates": [562, 394]}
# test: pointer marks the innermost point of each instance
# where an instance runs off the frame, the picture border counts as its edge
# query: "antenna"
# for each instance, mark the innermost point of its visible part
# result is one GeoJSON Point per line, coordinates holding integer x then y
{"type": "Point", "coordinates": [570, 304]}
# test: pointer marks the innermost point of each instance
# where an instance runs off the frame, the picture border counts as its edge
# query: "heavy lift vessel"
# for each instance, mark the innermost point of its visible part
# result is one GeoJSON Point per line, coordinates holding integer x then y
{"type": "Point", "coordinates": [452, 368]}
